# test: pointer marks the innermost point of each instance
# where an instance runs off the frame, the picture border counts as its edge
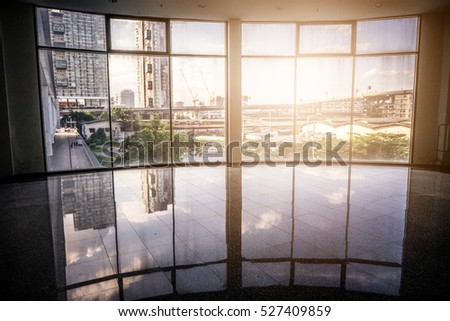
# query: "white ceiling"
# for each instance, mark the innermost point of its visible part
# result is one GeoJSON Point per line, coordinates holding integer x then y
{"type": "Point", "coordinates": [254, 10]}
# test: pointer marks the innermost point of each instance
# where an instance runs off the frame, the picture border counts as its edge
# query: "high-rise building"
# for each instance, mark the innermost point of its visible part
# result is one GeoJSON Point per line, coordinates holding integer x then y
{"type": "Point", "coordinates": [89, 200]}
{"type": "Point", "coordinates": [156, 189]}
{"type": "Point", "coordinates": [78, 75]}
{"type": "Point", "coordinates": [127, 98]}
{"type": "Point", "coordinates": [153, 71]}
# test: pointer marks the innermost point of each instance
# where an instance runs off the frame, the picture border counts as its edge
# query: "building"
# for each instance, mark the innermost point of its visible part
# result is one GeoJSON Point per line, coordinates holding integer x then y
{"type": "Point", "coordinates": [153, 72]}
{"type": "Point", "coordinates": [393, 104]}
{"type": "Point", "coordinates": [127, 98]}
{"type": "Point", "coordinates": [90, 127]}
{"type": "Point", "coordinates": [156, 190]}
{"type": "Point", "coordinates": [88, 212]}
{"type": "Point", "coordinates": [77, 75]}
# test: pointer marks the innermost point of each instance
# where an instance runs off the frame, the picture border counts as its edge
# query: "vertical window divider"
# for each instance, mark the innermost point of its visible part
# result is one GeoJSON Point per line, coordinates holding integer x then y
{"type": "Point", "coordinates": [352, 105]}
{"type": "Point", "coordinates": [108, 49]}
{"type": "Point", "coordinates": [169, 58]}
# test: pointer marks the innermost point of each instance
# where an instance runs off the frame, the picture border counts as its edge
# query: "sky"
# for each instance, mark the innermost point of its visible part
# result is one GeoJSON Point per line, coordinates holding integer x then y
{"type": "Point", "coordinates": [272, 80]}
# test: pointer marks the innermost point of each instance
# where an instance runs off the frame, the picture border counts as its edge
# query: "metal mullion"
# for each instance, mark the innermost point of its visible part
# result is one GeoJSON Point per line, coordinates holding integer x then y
{"type": "Point", "coordinates": [383, 54]}
{"type": "Point", "coordinates": [268, 56]}
{"type": "Point", "coordinates": [41, 111]}
{"type": "Point", "coordinates": [196, 20]}
{"type": "Point", "coordinates": [324, 55]}
{"type": "Point", "coordinates": [137, 18]}
{"type": "Point", "coordinates": [226, 129]}
{"type": "Point", "coordinates": [72, 49]}
{"type": "Point", "coordinates": [138, 52]}
{"type": "Point", "coordinates": [325, 22]}
{"type": "Point", "coordinates": [69, 10]}
{"type": "Point", "coordinates": [414, 109]}
{"type": "Point", "coordinates": [270, 22]}
{"type": "Point", "coordinates": [197, 55]}
{"type": "Point", "coordinates": [388, 17]}
{"type": "Point", "coordinates": [353, 38]}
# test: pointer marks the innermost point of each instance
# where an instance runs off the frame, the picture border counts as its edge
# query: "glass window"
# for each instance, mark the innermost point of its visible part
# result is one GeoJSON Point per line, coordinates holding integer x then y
{"type": "Point", "coordinates": [267, 102]}
{"type": "Point", "coordinates": [204, 38]}
{"type": "Point", "coordinates": [68, 29]}
{"type": "Point", "coordinates": [138, 35]}
{"type": "Point", "coordinates": [387, 35]}
{"type": "Point", "coordinates": [140, 102]}
{"type": "Point", "coordinates": [325, 39]}
{"type": "Point", "coordinates": [324, 102]}
{"type": "Point", "coordinates": [198, 102]}
{"type": "Point", "coordinates": [268, 39]}
{"type": "Point", "coordinates": [74, 98]}
{"type": "Point", "coordinates": [384, 98]}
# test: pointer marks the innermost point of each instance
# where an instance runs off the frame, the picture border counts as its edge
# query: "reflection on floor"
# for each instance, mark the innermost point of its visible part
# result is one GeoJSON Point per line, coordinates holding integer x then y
{"type": "Point", "coordinates": [358, 232]}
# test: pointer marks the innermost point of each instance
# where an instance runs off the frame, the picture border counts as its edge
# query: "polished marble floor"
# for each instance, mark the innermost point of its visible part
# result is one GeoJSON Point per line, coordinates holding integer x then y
{"type": "Point", "coordinates": [353, 232]}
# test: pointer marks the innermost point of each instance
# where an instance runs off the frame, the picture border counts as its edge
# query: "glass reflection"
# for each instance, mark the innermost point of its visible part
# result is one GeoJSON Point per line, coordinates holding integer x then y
{"type": "Point", "coordinates": [256, 36]}
{"type": "Point", "coordinates": [325, 39]}
{"type": "Point", "coordinates": [154, 232]}
{"type": "Point", "coordinates": [387, 35]}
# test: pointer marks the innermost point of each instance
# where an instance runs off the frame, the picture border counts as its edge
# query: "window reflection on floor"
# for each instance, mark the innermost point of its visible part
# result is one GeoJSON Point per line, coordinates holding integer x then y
{"type": "Point", "coordinates": [142, 233]}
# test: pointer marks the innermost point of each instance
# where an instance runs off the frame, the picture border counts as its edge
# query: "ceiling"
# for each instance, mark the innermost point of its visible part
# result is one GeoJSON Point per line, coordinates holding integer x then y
{"type": "Point", "coordinates": [254, 10]}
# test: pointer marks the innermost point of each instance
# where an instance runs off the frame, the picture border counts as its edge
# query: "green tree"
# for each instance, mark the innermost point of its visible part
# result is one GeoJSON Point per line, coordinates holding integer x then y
{"type": "Point", "coordinates": [149, 144]}
{"type": "Point", "coordinates": [381, 146]}
{"type": "Point", "coordinates": [126, 117]}
{"type": "Point", "coordinates": [98, 138]}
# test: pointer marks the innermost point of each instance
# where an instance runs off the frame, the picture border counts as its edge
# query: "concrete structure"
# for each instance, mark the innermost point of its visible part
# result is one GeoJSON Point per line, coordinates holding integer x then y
{"type": "Point", "coordinates": [156, 189]}
{"type": "Point", "coordinates": [153, 72]}
{"type": "Point", "coordinates": [77, 75]}
{"type": "Point", "coordinates": [127, 98]}
{"type": "Point", "coordinates": [90, 127]}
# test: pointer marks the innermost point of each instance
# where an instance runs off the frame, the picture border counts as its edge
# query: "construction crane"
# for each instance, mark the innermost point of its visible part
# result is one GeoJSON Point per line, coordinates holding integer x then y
{"type": "Point", "coordinates": [212, 99]}
{"type": "Point", "coordinates": [194, 98]}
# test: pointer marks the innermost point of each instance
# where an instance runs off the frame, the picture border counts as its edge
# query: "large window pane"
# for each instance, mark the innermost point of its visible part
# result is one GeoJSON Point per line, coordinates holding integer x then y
{"type": "Point", "coordinates": [324, 100]}
{"type": "Point", "coordinates": [325, 39]}
{"type": "Point", "coordinates": [198, 102]}
{"type": "Point", "coordinates": [387, 35]}
{"type": "Point", "coordinates": [189, 37]}
{"type": "Point", "coordinates": [267, 104]}
{"type": "Point", "coordinates": [74, 95]}
{"type": "Point", "coordinates": [268, 39]}
{"type": "Point", "coordinates": [138, 35]}
{"type": "Point", "coordinates": [383, 107]}
{"type": "Point", "coordinates": [67, 29]}
{"type": "Point", "coordinates": [140, 98]}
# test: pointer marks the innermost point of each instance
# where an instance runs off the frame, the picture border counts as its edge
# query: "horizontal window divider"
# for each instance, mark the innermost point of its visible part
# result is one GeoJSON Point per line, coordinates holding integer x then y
{"type": "Point", "coordinates": [268, 57]}
{"type": "Point", "coordinates": [72, 50]}
{"type": "Point", "coordinates": [270, 22]}
{"type": "Point", "coordinates": [403, 53]}
{"type": "Point", "coordinates": [326, 55]}
{"type": "Point", "coordinates": [389, 17]}
{"type": "Point", "coordinates": [38, 6]}
{"type": "Point", "coordinates": [325, 22]}
{"type": "Point", "coordinates": [198, 55]}
{"type": "Point", "coordinates": [138, 52]}
{"type": "Point", "coordinates": [322, 261]}
{"type": "Point", "coordinates": [196, 20]}
{"type": "Point", "coordinates": [140, 18]}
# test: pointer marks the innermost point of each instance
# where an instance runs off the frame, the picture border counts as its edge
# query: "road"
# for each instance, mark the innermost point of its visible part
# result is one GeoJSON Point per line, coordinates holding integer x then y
{"type": "Point", "coordinates": [66, 157]}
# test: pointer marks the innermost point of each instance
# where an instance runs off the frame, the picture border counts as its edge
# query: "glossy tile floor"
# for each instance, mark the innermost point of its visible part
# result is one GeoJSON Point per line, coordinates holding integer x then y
{"type": "Point", "coordinates": [356, 232]}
